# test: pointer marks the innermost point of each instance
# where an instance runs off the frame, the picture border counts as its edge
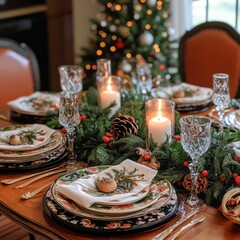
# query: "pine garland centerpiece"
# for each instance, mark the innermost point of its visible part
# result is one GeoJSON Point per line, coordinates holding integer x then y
{"type": "Point", "coordinates": [97, 144]}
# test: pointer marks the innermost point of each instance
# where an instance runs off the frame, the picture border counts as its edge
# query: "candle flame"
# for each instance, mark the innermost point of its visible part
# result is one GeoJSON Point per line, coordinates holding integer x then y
{"type": "Point", "coordinates": [159, 114]}
{"type": "Point", "coordinates": [109, 88]}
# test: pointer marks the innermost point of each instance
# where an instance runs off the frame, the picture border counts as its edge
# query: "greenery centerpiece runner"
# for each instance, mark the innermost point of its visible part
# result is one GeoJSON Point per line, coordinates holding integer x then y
{"type": "Point", "coordinates": [97, 144]}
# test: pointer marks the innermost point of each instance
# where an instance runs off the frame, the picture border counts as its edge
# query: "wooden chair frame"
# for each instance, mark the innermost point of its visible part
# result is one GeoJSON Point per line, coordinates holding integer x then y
{"type": "Point", "coordinates": [207, 25]}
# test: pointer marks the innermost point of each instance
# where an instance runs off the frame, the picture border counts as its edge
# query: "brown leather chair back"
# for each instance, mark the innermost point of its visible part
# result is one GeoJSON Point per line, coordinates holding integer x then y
{"type": "Point", "coordinates": [211, 47]}
{"type": "Point", "coordinates": [19, 72]}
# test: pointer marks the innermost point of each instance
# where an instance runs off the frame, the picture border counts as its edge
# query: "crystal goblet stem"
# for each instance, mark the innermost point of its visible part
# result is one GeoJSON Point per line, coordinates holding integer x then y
{"type": "Point", "coordinates": [69, 118]}
{"type": "Point", "coordinates": [193, 167]}
{"type": "Point", "coordinates": [71, 154]}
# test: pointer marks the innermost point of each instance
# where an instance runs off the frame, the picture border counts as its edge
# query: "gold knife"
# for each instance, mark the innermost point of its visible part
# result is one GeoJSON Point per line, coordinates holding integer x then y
{"type": "Point", "coordinates": [166, 232]}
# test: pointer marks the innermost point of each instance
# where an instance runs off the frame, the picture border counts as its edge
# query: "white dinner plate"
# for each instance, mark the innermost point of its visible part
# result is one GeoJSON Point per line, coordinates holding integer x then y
{"type": "Point", "coordinates": [39, 104]}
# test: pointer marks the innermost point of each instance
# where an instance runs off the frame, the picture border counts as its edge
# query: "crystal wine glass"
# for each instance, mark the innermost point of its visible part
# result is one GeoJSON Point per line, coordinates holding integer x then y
{"type": "Point", "coordinates": [144, 76]}
{"type": "Point", "coordinates": [69, 118]}
{"type": "Point", "coordinates": [71, 78]}
{"type": "Point", "coordinates": [221, 96]}
{"type": "Point", "coordinates": [195, 140]}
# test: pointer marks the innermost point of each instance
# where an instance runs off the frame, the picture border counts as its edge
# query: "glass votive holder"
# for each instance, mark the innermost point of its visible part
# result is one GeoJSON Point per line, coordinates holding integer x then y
{"type": "Point", "coordinates": [103, 68]}
{"type": "Point", "coordinates": [109, 91]}
{"type": "Point", "coordinates": [160, 120]}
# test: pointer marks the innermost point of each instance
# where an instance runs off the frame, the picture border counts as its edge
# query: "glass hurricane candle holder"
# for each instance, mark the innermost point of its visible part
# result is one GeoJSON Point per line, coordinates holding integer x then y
{"type": "Point", "coordinates": [71, 78]}
{"type": "Point", "coordinates": [109, 92]}
{"type": "Point", "coordinates": [103, 68]}
{"type": "Point", "coordinates": [69, 118]}
{"type": "Point", "coordinates": [160, 120]}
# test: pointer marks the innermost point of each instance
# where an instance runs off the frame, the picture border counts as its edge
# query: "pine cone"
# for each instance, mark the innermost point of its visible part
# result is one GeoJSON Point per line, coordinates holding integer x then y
{"type": "Point", "coordinates": [202, 183]}
{"type": "Point", "coordinates": [122, 125]}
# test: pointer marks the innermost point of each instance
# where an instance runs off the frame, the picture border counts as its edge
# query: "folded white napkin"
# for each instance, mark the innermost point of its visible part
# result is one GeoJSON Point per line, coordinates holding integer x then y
{"type": "Point", "coordinates": [201, 93]}
{"type": "Point", "coordinates": [84, 192]}
{"type": "Point", "coordinates": [40, 136]}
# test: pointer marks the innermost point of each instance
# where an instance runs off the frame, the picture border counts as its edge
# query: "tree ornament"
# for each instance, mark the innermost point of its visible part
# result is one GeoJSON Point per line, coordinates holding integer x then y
{"type": "Point", "coordinates": [151, 3]}
{"type": "Point", "coordinates": [146, 159]}
{"type": "Point", "coordinates": [122, 125]}
{"type": "Point", "coordinates": [124, 31]}
{"type": "Point", "coordinates": [120, 45]}
{"type": "Point", "coordinates": [202, 183]}
{"type": "Point", "coordinates": [125, 66]}
{"type": "Point", "coordinates": [146, 39]}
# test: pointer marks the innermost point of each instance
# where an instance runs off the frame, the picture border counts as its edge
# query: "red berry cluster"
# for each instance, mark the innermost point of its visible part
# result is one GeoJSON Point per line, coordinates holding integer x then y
{"type": "Point", "coordinates": [177, 137]}
{"type": "Point", "coordinates": [83, 117]}
{"type": "Point", "coordinates": [236, 179]}
{"type": "Point", "coordinates": [107, 138]}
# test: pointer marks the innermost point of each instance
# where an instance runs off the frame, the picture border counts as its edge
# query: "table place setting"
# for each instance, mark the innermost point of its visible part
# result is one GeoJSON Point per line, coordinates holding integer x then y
{"type": "Point", "coordinates": [31, 146]}
{"type": "Point", "coordinates": [78, 199]}
{"type": "Point", "coordinates": [187, 97]}
{"type": "Point", "coordinates": [34, 108]}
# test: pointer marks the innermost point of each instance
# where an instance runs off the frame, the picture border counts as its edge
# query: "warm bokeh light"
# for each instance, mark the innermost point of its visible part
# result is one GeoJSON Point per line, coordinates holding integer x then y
{"type": "Point", "coordinates": [147, 26]}
{"type": "Point", "coordinates": [94, 67]}
{"type": "Point", "coordinates": [165, 15]}
{"type": "Point", "coordinates": [112, 48]}
{"type": "Point", "coordinates": [142, 1]}
{"type": "Point", "coordinates": [103, 35]}
{"type": "Point", "coordinates": [118, 7]}
{"type": "Point", "coordinates": [156, 48]}
{"type": "Point", "coordinates": [99, 52]}
{"type": "Point", "coordinates": [128, 55]}
{"type": "Point", "coordinates": [149, 11]}
{"type": "Point", "coordinates": [129, 23]}
{"type": "Point", "coordinates": [102, 44]}
{"type": "Point", "coordinates": [109, 4]}
{"type": "Point", "coordinates": [88, 66]}
{"type": "Point", "coordinates": [114, 37]}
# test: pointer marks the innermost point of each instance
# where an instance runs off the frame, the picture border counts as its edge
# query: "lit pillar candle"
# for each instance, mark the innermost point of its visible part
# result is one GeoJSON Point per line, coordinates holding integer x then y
{"type": "Point", "coordinates": [109, 96]}
{"type": "Point", "coordinates": [159, 128]}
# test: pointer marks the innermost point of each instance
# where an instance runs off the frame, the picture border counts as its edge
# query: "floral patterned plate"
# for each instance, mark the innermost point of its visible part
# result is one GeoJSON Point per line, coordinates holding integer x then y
{"type": "Point", "coordinates": [156, 217]}
{"type": "Point", "coordinates": [39, 103]}
{"type": "Point", "coordinates": [33, 136]}
{"type": "Point", "coordinates": [55, 141]}
{"type": "Point", "coordinates": [151, 197]}
{"type": "Point", "coordinates": [50, 158]}
{"type": "Point", "coordinates": [165, 194]}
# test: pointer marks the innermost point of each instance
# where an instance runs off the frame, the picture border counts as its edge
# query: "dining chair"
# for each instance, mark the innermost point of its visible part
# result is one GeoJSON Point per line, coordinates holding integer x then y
{"type": "Point", "coordinates": [19, 71]}
{"type": "Point", "coordinates": [208, 48]}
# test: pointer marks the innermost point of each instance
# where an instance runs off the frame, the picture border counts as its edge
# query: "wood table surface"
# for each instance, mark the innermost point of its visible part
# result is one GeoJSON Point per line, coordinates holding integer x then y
{"type": "Point", "coordinates": [30, 215]}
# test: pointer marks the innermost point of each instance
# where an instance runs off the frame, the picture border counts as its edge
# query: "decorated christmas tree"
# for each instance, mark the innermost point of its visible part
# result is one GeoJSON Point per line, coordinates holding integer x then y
{"type": "Point", "coordinates": [128, 31]}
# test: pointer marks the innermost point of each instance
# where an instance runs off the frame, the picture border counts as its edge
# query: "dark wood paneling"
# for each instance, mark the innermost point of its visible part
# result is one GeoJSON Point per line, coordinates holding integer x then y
{"type": "Point", "coordinates": [60, 38]}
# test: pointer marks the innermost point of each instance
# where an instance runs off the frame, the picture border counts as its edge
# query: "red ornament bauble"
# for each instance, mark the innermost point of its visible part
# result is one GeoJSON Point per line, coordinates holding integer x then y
{"type": "Point", "coordinates": [120, 45]}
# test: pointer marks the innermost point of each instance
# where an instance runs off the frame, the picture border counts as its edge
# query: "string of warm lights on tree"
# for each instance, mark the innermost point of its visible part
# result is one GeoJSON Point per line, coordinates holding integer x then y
{"type": "Point", "coordinates": [128, 31]}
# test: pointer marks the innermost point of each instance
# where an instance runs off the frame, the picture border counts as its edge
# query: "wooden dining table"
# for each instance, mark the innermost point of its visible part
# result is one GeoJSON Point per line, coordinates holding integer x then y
{"type": "Point", "coordinates": [30, 214]}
